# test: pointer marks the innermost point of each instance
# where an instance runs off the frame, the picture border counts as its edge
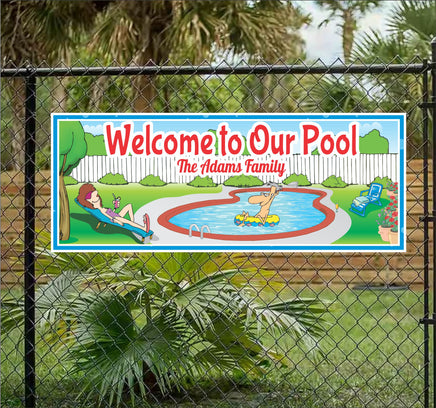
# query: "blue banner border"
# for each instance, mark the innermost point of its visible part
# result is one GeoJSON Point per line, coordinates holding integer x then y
{"type": "Point", "coordinates": [57, 247]}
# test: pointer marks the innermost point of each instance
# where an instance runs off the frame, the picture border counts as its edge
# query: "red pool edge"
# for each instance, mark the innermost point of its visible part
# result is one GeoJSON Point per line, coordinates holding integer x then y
{"type": "Point", "coordinates": [167, 215]}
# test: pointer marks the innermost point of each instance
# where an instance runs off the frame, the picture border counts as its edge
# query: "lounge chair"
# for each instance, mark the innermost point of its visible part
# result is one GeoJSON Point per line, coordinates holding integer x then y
{"type": "Point", "coordinates": [105, 220]}
{"type": "Point", "coordinates": [359, 204]}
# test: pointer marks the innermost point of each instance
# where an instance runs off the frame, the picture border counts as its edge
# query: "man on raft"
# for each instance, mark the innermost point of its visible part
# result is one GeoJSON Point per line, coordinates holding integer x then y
{"type": "Point", "coordinates": [264, 200]}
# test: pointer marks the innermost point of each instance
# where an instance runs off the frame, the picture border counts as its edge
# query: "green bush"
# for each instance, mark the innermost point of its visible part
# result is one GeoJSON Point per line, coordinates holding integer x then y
{"type": "Point", "coordinates": [334, 182]}
{"type": "Point", "coordinates": [190, 327]}
{"type": "Point", "coordinates": [243, 181]}
{"type": "Point", "coordinates": [152, 181]}
{"type": "Point", "coordinates": [113, 179]}
{"type": "Point", "coordinates": [202, 182]}
{"type": "Point", "coordinates": [301, 179]}
{"type": "Point", "coordinates": [383, 181]}
{"type": "Point", "coordinates": [69, 181]}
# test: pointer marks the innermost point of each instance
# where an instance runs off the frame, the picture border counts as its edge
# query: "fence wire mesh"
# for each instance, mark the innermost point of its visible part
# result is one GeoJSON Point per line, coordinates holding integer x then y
{"type": "Point", "coordinates": [206, 329]}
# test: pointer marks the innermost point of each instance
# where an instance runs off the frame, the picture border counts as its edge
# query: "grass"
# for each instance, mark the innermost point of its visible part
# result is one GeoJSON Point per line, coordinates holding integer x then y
{"type": "Point", "coordinates": [372, 357]}
{"type": "Point", "coordinates": [364, 230]}
{"type": "Point", "coordinates": [83, 225]}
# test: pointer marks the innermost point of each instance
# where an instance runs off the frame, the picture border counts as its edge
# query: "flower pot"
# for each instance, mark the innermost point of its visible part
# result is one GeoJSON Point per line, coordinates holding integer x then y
{"type": "Point", "coordinates": [384, 233]}
{"type": "Point", "coordinates": [390, 193]}
{"type": "Point", "coordinates": [393, 238]}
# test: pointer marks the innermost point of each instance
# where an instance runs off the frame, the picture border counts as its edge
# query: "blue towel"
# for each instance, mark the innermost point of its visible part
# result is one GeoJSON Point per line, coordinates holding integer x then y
{"type": "Point", "coordinates": [361, 200]}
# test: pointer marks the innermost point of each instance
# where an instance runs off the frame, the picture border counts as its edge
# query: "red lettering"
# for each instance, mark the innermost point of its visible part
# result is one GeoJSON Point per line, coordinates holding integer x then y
{"type": "Point", "coordinates": [223, 133]}
{"type": "Point", "coordinates": [119, 141]}
{"type": "Point", "coordinates": [342, 138]}
{"type": "Point", "coordinates": [289, 139]}
{"type": "Point", "coordinates": [147, 138]}
{"type": "Point", "coordinates": [235, 138]}
{"type": "Point", "coordinates": [154, 143]}
{"type": "Point", "coordinates": [189, 140]}
{"type": "Point", "coordinates": [327, 138]}
{"type": "Point", "coordinates": [137, 142]}
{"type": "Point", "coordinates": [274, 148]}
{"type": "Point", "coordinates": [354, 138]}
{"type": "Point", "coordinates": [170, 138]}
{"type": "Point", "coordinates": [206, 143]}
{"type": "Point", "coordinates": [307, 128]}
{"type": "Point", "coordinates": [256, 137]}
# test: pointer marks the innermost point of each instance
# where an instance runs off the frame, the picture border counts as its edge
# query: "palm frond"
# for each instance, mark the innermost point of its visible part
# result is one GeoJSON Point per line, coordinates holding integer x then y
{"type": "Point", "coordinates": [113, 351]}
{"type": "Point", "coordinates": [413, 16]}
{"type": "Point", "coordinates": [211, 295]}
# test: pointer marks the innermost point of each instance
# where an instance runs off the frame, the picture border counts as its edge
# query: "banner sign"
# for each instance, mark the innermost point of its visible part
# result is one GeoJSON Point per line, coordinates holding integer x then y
{"type": "Point", "coordinates": [228, 182]}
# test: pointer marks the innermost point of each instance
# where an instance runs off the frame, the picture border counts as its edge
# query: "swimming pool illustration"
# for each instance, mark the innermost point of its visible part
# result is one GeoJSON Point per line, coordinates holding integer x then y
{"type": "Point", "coordinates": [300, 212]}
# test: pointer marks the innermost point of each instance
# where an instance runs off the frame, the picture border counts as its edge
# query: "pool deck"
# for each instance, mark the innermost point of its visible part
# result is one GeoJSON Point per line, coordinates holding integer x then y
{"type": "Point", "coordinates": [165, 237]}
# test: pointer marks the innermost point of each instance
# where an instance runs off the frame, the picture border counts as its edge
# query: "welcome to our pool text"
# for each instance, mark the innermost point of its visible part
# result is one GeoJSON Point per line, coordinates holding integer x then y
{"type": "Point", "coordinates": [224, 142]}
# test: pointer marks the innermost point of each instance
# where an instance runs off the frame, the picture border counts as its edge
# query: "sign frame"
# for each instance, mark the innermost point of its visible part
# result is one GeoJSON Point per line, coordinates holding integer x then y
{"type": "Point", "coordinates": [58, 246]}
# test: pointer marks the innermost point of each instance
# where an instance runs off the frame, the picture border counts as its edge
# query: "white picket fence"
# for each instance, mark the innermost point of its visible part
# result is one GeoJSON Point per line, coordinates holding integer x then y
{"type": "Point", "coordinates": [361, 169]}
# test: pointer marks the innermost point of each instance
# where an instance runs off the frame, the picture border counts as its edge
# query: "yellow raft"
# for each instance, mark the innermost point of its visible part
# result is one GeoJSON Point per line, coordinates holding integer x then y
{"type": "Point", "coordinates": [271, 221]}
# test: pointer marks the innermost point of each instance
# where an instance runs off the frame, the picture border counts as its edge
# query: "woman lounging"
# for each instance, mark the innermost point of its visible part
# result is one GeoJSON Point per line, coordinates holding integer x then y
{"type": "Point", "coordinates": [88, 197]}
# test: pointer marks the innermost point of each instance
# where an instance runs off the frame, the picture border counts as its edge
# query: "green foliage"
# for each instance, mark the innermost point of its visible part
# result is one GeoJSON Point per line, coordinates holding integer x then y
{"type": "Point", "coordinates": [243, 181]}
{"type": "Point", "coordinates": [202, 182]}
{"type": "Point", "coordinates": [335, 95]}
{"type": "Point", "coordinates": [152, 181]}
{"type": "Point", "coordinates": [96, 146]}
{"type": "Point", "coordinates": [163, 319]}
{"type": "Point", "coordinates": [69, 181]}
{"type": "Point", "coordinates": [385, 181]}
{"type": "Point", "coordinates": [334, 182]}
{"type": "Point", "coordinates": [72, 145]}
{"type": "Point", "coordinates": [373, 143]}
{"type": "Point", "coordinates": [113, 179]}
{"type": "Point", "coordinates": [300, 178]}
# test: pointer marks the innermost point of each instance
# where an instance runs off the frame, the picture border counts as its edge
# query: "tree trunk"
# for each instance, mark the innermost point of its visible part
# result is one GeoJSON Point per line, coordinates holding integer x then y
{"type": "Point", "coordinates": [145, 93]}
{"type": "Point", "coordinates": [59, 94]}
{"type": "Point", "coordinates": [348, 34]}
{"type": "Point", "coordinates": [64, 211]}
{"type": "Point", "coordinates": [16, 92]}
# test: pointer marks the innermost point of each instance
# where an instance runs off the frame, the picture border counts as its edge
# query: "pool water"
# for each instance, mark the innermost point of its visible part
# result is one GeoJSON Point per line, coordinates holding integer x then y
{"type": "Point", "coordinates": [295, 210]}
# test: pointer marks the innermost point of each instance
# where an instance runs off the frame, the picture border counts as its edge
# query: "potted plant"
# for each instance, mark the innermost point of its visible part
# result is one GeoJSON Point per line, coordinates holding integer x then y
{"type": "Point", "coordinates": [393, 233]}
{"type": "Point", "coordinates": [384, 223]}
{"type": "Point", "coordinates": [392, 189]}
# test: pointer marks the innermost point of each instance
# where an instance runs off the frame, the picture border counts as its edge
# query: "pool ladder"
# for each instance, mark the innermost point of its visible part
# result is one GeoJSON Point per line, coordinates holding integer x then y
{"type": "Point", "coordinates": [191, 227]}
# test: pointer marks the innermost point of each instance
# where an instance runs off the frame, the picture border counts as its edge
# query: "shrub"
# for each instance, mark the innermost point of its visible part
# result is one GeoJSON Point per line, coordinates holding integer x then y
{"type": "Point", "coordinates": [69, 181]}
{"type": "Point", "coordinates": [202, 182]}
{"type": "Point", "coordinates": [243, 181]}
{"type": "Point", "coordinates": [113, 179]}
{"type": "Point", "coordinates": [334, 182]}
{"type": "Point", "coordinates": [223, 327]}
{"type": "Point", "coordinates": [385, 181]}
{"type": "Point", "coordinates": [152, 181]}
{"type": "Point", "coordinates": [301, 179]}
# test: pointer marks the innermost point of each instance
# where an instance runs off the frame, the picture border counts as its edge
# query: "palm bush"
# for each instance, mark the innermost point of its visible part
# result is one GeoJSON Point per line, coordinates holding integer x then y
{"type": "Point", "coordinates": [148, 324]}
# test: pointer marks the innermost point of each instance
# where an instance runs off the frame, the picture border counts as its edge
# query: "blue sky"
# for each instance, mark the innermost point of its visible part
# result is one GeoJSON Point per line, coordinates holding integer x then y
{"type": "Point", "coordinates": [388, 128]}
{"type": "Point", "coordinates": [326, 42]}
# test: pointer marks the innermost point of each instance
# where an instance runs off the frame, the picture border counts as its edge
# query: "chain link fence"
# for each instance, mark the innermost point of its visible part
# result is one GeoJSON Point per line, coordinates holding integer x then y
{"type": "Point", "coordinates": [206, 329]}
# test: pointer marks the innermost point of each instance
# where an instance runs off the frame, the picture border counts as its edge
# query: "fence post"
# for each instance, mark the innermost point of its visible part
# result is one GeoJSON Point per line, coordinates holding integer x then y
{"type": "Point", "coordinates": [29, 243]}
{"type": "Point", "coordinates": [433, 100]}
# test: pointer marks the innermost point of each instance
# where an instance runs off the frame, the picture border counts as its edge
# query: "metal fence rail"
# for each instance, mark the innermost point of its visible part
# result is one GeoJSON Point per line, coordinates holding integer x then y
{"type": "Point", "coordinates": [81, 330]}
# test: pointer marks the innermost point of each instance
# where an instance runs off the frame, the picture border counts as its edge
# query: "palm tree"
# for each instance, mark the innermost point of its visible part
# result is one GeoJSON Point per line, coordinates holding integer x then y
{"type": "Point", "coordinates": [33, 32]}
{"type": "Point", "coordinates": [153, 32]}
{"type": "Point", "coordinates": [151, 323]}
{"type": "Point", "coordinates": [412, 25]}
{"type": "Point", "coordinates": [349, 11]}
